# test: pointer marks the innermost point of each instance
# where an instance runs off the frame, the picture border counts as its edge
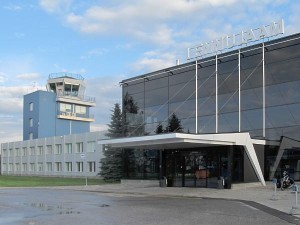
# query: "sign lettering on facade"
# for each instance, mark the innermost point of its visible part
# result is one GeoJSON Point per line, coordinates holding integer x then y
{"type": "Point", "coordinates": [235, 40]}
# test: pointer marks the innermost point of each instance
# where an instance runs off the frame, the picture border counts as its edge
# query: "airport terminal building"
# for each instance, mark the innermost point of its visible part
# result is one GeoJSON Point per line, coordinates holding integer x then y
{"type": "Point", "coordinates": [237, 116]}
{"type": "Point", "coordinates": [223, 117]}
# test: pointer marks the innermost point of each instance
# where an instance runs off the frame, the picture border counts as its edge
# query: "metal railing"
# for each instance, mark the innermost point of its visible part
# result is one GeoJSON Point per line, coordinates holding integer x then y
{"type": "Point", "coordinates": [74, 95]}
{"type": "Point", "coordinates": [65, 74]}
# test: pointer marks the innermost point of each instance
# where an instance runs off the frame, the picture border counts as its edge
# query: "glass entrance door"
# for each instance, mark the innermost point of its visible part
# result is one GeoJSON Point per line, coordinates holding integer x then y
{"type": "Point", "coordinates": [202, 168]}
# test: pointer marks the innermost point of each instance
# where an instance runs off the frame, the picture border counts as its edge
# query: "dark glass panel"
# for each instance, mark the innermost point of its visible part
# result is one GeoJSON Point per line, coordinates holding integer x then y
{"type": "Point", "coordinates": [256, 134]}
{"type": "Point", "coordinates": [282, 51]}
{"type": "Point", "coordinates": [182, 92]}
{"type": "Point", "coordinates": [150, 128]}
{"type": "Point", "coordinates": [207, 106]}
{"type": "Point", "coordinates": [279, 116]}
{"type": "Point", "coordinates": [189, 125]}
{"type": "Point", "coordinates": [228, 122]}
{"type": "Point", "coordinates": [283, 71]}
{"type": "Point", "coordinates": [144, 164]}
{"type": "Point", "coordinates": [251, 98]}
{"type": "Point", "coordinates": [183, 109]}
{"type": "Point", "coordinates": [228, 83]}
{"type": "Point", "coordinates": [251, 78]}
{"type": "Point", "coordinates": [281, 94]}
{"type": "Point", "coordinates": [156, 82]}
{"type": "Point", "coordinates": [133, 87]}
{"type": "Point", "coordinates": [206, 70]}
{"type": "Point", "coordinates": [252, 120]}
{"type": "Point", "coordinates": [227, 64]}
{"type": "Point", "coordinates": [274, 134]}
{"type": "Point", "coordinates": [207, 124]}
{"type": "Point", "coordinates": [156, 97]}
{"type": "Point", "coordinates": [138, 100]}
{"type": "Point", "coordinates": [294, 109]}
{"type": "Point", "coordinates": [285, 93]}
{"type": "Point", "coordinates": [207, 87]}
{"type": "Point", "coordinates": [156, 114]}
{"type": "Point", "coordinates": [228, 103]}
{"type": "Point", "coordinates": [183, 75]}
{"type": "Point", "coordinates": [251, 59]}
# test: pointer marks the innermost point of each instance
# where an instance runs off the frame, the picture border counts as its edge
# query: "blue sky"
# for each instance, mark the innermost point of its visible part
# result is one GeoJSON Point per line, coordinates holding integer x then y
{"type": "Point", "coordinates": [107, 41]}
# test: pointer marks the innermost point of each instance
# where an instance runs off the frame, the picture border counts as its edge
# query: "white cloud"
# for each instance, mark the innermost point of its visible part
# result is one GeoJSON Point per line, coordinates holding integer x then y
{"type": "Point", "coordinates": [166, 23]}
{"type": "Point", "coordinates": [55, 5]}
{"type": "Point", "coordinates": [93, 53]}
{"type": "Point", "coordinates": [28, 76]}
{"type": "Point", "coordinates": [2, 77]}
{"type": "Point", "coordinates": [13, 7]}
{"type": "Point", "coordinates": [107, 91]}
{"type": "Point", "coordinates": [154, 60]}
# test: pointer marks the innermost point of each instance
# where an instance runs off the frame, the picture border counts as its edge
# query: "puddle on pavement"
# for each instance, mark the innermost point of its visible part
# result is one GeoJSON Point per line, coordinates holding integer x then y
{"type": "Point", "coordinates": [61, 210]}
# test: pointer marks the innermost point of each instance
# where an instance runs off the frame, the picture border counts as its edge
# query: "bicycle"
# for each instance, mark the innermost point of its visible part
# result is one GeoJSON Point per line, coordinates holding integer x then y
{"type": "Point", "coordinates": [285, 182]}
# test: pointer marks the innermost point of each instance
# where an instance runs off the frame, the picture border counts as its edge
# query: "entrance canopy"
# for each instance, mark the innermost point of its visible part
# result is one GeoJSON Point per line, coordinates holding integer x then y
{"type": "Point", "coordinates": [180, 140]}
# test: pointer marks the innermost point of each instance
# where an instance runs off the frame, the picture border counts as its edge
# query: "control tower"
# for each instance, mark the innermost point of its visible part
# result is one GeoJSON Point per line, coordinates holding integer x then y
{"type": "Point", "coordinates": [61, 110]}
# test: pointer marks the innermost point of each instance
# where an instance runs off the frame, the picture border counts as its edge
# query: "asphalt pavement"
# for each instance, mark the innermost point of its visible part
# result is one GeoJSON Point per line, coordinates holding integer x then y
{"type": "Point", "coordinates": [283, 201]}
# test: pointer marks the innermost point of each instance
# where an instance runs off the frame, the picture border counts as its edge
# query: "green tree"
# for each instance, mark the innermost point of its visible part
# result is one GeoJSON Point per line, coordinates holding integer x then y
{"type": "Point", "coordinates": [116, 123]}
{"type": "Point", "coordinates": [159, 129]}
{"type": "Point", "coordinates": [112, 162]}
{"type": "Point", "coordinates": [174, 124]}
{"type": "Point", "coordinates": [133, 120]}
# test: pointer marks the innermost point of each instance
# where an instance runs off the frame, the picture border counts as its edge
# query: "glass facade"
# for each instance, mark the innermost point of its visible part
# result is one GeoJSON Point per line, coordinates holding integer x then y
{"type": "Point", "coordinates": [254, 89]}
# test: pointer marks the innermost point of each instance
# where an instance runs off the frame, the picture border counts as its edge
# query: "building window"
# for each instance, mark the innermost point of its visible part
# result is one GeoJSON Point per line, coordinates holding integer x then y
{"type": "Point", "coordinates": [31, 106]}
{"type": "Point", "coordinates": [24, 151]}
{"type": "Point", "coordinates": [24, 167]}
{"type": "Point", "coordinates": [30, 122]}
{"type": "Point", "coordinates": [79, 166]}
{"type": "Point", "coordinates": [92, 166]}
{"type": "Point", "coordinates": [32, 151]}
{"type": "Point", "coordinates": [58, 149]}
{"type": "Point", "coordinates": [40, 167]}
{"type": "Point", "coordinates": [32, 167]}
{"type": "Point", "coordinates": [79, 147]}
{"type": "Point", "coordinates": [58, 167]}
{"type": "Point", "coordinates": [49, 150]}
{"type": "Point", "coordinates": [65, 107]}
{"type": "Point", "coordinates": [40, 150]}
{"type": "Point", "coordinates": [68, 166]}
{"type": "Point", "coordinates": [49, 166]}
{"type": "Point", "coordinates": [80, 109]}
{"type": "Point", "coordinates": [18, 152]}
{"type": "Point", "coordinates": [4, 153]}
{"type": "Point", "coordinates": [91, 146]}
{"type": "Point", "coordinates": [30, 136]}
{"type": "Point", "coordinates": [18, 167]}
{"type": "Point", "coordinates": [11, 152]}
{"type": "Point", "coordinates": [4, 167]}
{"type": "Point", "coordinates": [10, 167]}
{"type": "Point", "coordinates": [68, 148]}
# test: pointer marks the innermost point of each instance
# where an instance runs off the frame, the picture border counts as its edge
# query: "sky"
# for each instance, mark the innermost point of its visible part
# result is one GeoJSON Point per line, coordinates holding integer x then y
{"type": "Point", "coordinates": [108, 41]}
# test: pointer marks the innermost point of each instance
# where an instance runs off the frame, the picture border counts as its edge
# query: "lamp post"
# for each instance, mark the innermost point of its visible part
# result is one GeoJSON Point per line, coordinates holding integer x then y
{"type": "Point", "coordinates": [82, 155]}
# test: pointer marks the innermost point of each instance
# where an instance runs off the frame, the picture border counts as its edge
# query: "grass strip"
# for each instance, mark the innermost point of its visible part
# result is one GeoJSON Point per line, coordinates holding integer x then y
{"type": "Point", "coordinates": [35, 181]}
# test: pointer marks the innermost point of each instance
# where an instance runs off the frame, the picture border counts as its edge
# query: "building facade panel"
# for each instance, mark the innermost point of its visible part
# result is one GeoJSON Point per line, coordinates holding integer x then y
{"type": "Point", "coordinates": [49, 156]}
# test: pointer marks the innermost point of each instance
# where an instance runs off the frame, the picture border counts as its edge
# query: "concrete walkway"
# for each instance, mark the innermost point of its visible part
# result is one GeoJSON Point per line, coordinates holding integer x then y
{"type": "Point", "coordinates": [283, 201]}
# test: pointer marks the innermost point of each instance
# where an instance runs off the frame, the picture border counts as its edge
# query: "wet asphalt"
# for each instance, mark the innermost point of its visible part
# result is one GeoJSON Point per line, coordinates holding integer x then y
{"type": "Point", "coordinates": [33, 206]}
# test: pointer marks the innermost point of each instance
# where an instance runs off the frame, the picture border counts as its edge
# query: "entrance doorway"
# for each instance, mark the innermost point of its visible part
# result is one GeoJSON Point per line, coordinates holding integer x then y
{"type": "Point", "coordinates": [199, 167]}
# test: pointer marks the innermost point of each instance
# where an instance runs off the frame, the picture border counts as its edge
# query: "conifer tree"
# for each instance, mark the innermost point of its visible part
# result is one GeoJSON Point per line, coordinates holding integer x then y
{"type": "Point", "coordinates": [112, 162]}
{"type": "Point", "coordinates": [174, 124]}
{"type": "Point", "coordinates": [159, 129]}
